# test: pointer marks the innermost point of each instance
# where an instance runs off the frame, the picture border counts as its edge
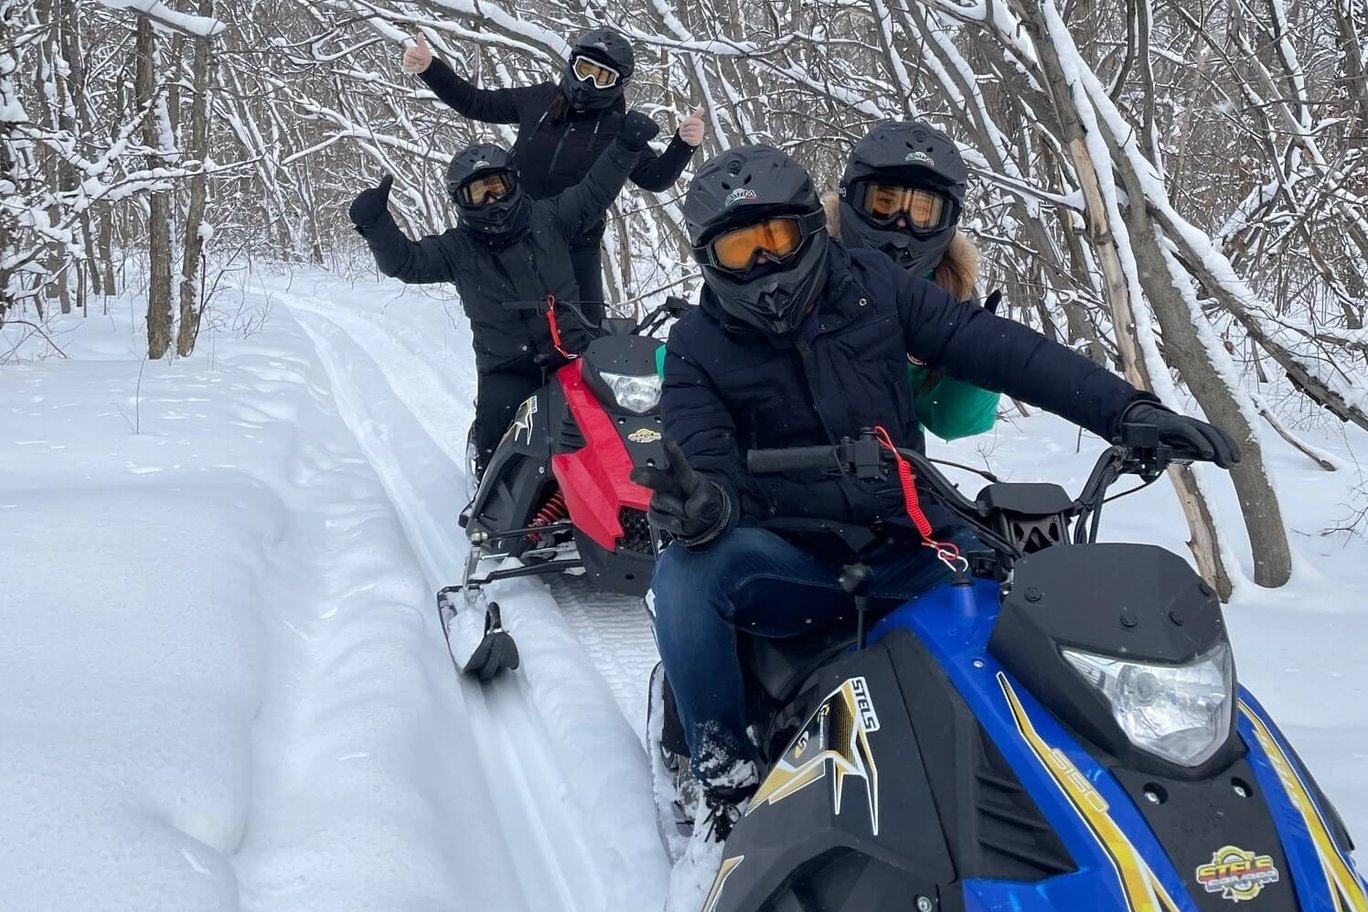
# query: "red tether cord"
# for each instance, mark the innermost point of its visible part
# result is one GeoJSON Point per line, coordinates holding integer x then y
{"type": "Point", "coordinates": [948, 552]}
{"type": "Point", "coordinates": [555, 328]}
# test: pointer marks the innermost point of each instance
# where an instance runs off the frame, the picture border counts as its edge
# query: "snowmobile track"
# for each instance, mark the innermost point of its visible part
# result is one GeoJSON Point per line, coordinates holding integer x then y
{"type": "Point", "coordinates": [536, 762]}
{"type": "Point", "coordinates": [615, 631]}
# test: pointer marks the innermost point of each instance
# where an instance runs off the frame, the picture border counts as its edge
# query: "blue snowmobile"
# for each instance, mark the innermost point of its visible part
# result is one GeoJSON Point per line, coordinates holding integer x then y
{"type": "Point", "coordinates": [1059, 729]}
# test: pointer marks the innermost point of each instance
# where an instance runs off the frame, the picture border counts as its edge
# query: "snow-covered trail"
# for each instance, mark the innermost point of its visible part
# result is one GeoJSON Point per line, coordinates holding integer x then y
{"type": "Point", "coordinates": [228, 690]}
{"type": "Point", "coordinates": [570, 780]}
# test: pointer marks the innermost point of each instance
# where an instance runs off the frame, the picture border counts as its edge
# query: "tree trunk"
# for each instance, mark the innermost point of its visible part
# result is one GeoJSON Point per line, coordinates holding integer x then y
{"type": "Point", "coordinates": [1205, 542]}
{"type": "Point", "coordinates": [190, 313]}
{"type": "Point", "coordinates": [107, 250]}
{"type": "Point", "coordinates": [159, 203]}
{"type": "Point", "coordinates": [10, 23]}
{"type": "Point", "coordinates": [1186, 351]}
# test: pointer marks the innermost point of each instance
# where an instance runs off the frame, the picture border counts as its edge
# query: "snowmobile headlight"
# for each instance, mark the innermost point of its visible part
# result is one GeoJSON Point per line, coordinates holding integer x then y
{"type": "Point", "coordinates": [1180, 713]}
{"type": "Point", "coordinates": [635, 392]}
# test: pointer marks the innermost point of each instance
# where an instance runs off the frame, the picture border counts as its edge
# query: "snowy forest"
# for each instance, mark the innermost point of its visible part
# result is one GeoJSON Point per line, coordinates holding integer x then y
{"type": "Point", "coordinates": [233, 454]}
{"type": "Point", "coordinates": [191, 140]}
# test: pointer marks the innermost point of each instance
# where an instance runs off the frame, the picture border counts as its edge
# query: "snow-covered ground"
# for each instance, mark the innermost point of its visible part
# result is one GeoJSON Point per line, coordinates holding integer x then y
{"type": "Point", "coordinates": [226, 688]}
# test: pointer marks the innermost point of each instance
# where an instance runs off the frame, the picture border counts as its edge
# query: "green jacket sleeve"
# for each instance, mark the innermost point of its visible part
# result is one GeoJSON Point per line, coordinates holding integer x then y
{"type": "Point", "coordinates": [951, 408]}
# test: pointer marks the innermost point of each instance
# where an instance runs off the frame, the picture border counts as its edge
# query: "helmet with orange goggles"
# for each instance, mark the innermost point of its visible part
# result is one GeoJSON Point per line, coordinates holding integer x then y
{"type": "Point", "coordinates": [600, 65]}
{"type": "Point", "coordinates": [902, 192]}
{"type": "Point", "coordinates": [484, 189]}
{"type": "Point", "coordinates": [774, 240]}
{"type": "Point", "coordinates": [758, 231]}
{"type": "Point", "coordinates": [483, 184]}
{"type": "Point", "coordinates": [912, 208]}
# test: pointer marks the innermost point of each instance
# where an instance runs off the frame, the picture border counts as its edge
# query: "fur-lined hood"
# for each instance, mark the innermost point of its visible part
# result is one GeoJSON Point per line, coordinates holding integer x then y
{"type": "Point", "coordinates": [959, 267]}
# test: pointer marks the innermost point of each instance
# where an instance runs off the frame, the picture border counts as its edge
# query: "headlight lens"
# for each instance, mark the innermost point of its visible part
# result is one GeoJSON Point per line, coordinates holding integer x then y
{"type": "Point", "coordinates": [635, 392]}
{"type": "Point", "coordinates": [1178, 712]}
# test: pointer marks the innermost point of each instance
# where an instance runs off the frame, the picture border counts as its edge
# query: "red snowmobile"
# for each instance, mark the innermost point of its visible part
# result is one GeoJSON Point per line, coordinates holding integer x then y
{"type": "Point", "coordinates": [556, 494]}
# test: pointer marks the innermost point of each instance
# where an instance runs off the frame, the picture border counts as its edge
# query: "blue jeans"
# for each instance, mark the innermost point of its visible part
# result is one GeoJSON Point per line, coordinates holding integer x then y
{"type": "Point", "coordinates": [756, 581]}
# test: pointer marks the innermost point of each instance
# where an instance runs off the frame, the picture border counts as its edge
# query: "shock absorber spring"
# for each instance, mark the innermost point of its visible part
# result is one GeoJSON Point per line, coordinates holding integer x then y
{"type": "Point", "coordinates": [553, 511]}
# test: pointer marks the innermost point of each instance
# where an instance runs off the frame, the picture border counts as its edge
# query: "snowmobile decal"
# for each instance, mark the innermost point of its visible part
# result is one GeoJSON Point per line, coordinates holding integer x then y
{"type": "Point", "coordinates": [840, 730]}
{"type": "Point", "coordinates": [1139, 885]}
{"type": "Point", "coordinates": [644, 435]}
{"type": "Point", "coordinates": [715, 894]}
{"type": "Point", "coordinates": [1237, 875]}
{"type": "Point", "coordinates": [1341, 880]}
{"type": "Point", "coordinates": [522, 422]}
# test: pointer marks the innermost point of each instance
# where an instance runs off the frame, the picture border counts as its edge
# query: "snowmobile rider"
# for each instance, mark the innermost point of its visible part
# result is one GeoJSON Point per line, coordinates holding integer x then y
{"type": "Point", "coordinates": [903, 193]}
{"type": "Point", "coordinates": [563, 128]}
{"type": "Point", "coordinates": [506, 248]}
{"type": "Point", "coordinates": [798, 341]}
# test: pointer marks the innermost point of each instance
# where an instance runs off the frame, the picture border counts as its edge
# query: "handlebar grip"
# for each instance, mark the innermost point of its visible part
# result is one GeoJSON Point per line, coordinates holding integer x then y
{"type": "Point", "coordinates": [773, 462]}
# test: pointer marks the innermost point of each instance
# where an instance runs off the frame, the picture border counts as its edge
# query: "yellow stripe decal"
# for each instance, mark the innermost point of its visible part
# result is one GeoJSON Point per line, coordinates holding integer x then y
{"type": "Point", "coordinates": [1142, 889]}
{"type": "Point", "coordinates": [1345, 887]}
{"type": "Point", "coordinates": [729, 865]}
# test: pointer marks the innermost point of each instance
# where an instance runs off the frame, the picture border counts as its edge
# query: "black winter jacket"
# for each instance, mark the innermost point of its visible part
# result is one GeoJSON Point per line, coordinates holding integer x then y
{"type": "Point", "coordinates": [553, 156]}
{"type": "Point", "coordinates": [491, 273]}
{"type": "Point", "coordinates": [729, 388]}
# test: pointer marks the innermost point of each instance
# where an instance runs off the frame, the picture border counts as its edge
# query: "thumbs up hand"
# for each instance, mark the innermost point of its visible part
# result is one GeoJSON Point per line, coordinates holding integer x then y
{"type": "Point", "coordinates": [417, 56]}
{"type": "Point", "coordinates": [692, 129]}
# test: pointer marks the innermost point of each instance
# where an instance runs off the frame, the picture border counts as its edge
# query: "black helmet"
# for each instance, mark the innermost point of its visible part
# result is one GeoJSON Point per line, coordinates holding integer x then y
{"type": "Point", "coordinates": [604, 46]}
{"type": "Point", "coordinates": [482, 161]}
{"type": "Point", "coordinates": [908, 153]}
{"type": "Point", "coordinates": [748, 185]}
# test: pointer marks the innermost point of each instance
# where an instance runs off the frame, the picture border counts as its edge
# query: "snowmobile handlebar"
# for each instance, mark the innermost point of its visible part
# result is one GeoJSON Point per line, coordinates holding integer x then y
{"type": "Point", "coordinates": [673, 307]}
{"type": "Point", "coordinates": [795, 459]}
{"type": "Point", "coordinates": [1139, 452]}
{"type": "Point", "coordinates": [862, 458]}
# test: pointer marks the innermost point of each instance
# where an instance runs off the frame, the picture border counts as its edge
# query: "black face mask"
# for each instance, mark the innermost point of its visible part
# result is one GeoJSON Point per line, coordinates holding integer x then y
{"type": "Point", "coordinates": [584, 95]}
{"type": "Point", "coordinates": [775, 301]}
{"type": "Point", "coordinates": [497, 221]}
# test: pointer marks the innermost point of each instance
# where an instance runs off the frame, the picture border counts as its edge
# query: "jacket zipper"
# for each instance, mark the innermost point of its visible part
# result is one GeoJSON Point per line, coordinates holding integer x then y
{"type": "Point", "coordinates": [569, 125]}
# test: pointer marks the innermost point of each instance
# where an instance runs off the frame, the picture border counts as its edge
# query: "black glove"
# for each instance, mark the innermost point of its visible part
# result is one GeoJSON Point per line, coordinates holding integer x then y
{"type": "Point", "coordinates": [991, 303]}
{"type": "Point", "coordinates": [690, 507]}
{"type": "Point", "coordinates": [371, 204]}
{"type": "Point", "coordinates": [1190, 436]}
{"type": "Point", "coordinates": [637, 130]}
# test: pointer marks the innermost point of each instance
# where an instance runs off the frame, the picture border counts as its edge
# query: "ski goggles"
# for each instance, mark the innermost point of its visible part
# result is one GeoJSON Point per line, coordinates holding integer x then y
{"type": "Point", "coordinates": [484, 189]}
{"type": "Point", "coordinates": [587, 69]}
{"type": "Point", "coordinates": [923, 209]}
{"type": "Point", "coordinates": [777, 238]}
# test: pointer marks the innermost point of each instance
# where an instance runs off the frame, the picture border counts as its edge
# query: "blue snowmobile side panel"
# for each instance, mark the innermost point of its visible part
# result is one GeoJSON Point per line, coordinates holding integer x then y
{"type": "Point", "coordinates": [1323, 871]}
{"type": "Point", "coordinates": [1122, 865]}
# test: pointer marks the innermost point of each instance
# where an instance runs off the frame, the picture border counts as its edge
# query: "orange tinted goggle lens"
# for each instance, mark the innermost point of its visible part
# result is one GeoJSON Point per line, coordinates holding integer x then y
{"type": "Point", "coordinates": [587, 70]}
{"type": "Point", "coordinates": [475, 192]}
{"type": "Point", "coordinates": [923, 208]}
{"type": "Point", "coordinates": [738, 248]}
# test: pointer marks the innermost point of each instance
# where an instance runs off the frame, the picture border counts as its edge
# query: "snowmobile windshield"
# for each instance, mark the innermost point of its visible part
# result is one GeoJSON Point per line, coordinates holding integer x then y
{"type": "Point", "coordinates": [921, 208]}
{"type": "Point", "coordinates": [586, 69]}
{"type": "Point", "coordinates": [483, 189]}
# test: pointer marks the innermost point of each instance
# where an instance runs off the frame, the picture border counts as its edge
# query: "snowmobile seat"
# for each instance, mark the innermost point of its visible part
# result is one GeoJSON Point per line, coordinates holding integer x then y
{"type": "Point", "coordinates": [781, 665]}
